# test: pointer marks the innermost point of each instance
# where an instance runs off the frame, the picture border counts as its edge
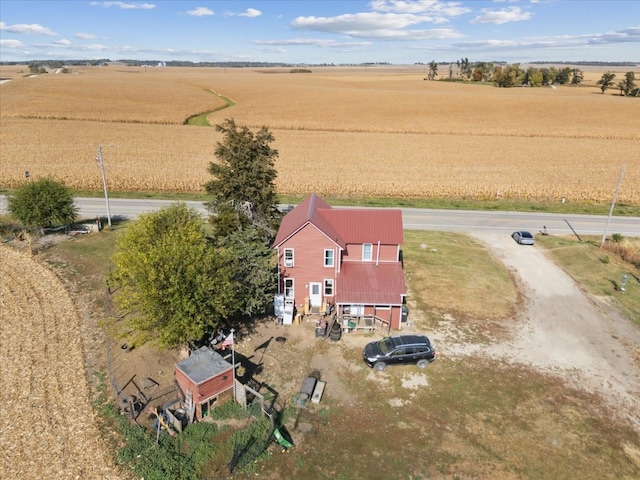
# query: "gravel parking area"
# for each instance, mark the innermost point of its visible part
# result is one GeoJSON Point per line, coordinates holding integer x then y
{"type": "Point", "coordinates": [562, 330]}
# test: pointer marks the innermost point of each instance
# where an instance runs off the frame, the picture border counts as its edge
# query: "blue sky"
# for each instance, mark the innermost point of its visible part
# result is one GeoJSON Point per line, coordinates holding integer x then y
{"type": "Point", "coordinates": [328, 31]}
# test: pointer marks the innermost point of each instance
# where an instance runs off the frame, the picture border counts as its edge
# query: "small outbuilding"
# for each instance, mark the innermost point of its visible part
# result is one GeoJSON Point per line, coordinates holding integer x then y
{"type": "Point", "coordinates": [202, 378]}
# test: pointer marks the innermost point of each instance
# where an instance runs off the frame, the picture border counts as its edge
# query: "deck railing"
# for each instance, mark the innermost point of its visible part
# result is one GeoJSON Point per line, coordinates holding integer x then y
{"type": "Point", "coordinates": [364, 322]}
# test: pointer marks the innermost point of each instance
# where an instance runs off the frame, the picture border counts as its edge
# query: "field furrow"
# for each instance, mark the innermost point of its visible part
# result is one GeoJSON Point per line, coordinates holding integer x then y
{"type": "Point", "coordinates": [47, 426]}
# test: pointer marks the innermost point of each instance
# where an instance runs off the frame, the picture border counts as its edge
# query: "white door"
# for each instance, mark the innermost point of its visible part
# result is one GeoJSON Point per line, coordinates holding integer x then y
{"type": "Point", "coordinates": [315, 294]}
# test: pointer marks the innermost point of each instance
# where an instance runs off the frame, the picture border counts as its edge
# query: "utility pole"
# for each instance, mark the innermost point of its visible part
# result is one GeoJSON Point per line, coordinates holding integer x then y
{"type": "Point", "coordinates": [613, 203]}
{"type": "Point", "coordinates": [104, 184]}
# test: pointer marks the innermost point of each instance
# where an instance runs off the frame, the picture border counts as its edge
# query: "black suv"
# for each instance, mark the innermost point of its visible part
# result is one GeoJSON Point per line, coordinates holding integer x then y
{"type": "Point", "coordinates": [399, 350]}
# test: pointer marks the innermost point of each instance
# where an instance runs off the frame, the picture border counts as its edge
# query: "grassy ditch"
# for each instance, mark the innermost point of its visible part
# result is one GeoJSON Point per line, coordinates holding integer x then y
{"type": "Point", "coordinates": [600, 270]}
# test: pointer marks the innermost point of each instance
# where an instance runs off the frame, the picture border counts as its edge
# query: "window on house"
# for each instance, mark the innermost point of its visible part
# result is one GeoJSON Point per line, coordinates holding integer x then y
{"type": "Point", "coordinates": [328, 258]}
{"type": "Point", "coordinates": [328, 287]}
{"type": "Point", "coordinates": [367, 252]}
{"type": "Point", "coordinates": [288, 288]}
{"type": "Point", "coordinates": [288, 257]}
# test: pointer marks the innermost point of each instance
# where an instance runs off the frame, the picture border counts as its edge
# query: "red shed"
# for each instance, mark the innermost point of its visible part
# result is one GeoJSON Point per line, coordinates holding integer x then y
{"type": "Point", "coordinates": [203, 376]}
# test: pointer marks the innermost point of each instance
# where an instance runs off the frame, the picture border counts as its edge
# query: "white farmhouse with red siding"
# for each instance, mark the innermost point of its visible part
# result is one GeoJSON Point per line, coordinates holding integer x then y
{"type": "Point", "coordinates": [347, 258]}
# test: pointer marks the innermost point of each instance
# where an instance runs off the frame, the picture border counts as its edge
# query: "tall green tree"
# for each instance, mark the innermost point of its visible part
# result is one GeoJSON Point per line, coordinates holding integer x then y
{"type": "Point", "coordinates": [563, 76]}
{"type": "Point", "coordinates": [465, 68]}
{"type": "Point", "coordinates": [482, 71]}
{"type": "Point", "coordinates": [43, 203]}
{"type": "Point", "coordinates": [170, 278]}
{"type": "Point", "coordinates": [533, 77]}
{"type": "Point", "coordinates": [251, 267]}
{"type": "Point", "coordinates": [508, 76]}
{"type": "Point", "coordinates": [606, 81]}
{"type": "Point", "coordinates": [628, 84]}
{"type": "Point", "coordinates": [576, 76]}
{"type": "Point", "coordinates": [433, 70]}
{"type": "Point", "coordinates": [243, 189]}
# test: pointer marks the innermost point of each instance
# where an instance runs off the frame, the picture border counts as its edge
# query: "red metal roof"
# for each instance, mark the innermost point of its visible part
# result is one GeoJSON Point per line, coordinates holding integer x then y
{"type": "Point", "coordinates": [360, 225]}
{"type": "Point", "coordinates": [368, 284]}
{"type": "Point", "coordinates": [343, 225]}
{"type": "Point", "coordinates": [303, 213]}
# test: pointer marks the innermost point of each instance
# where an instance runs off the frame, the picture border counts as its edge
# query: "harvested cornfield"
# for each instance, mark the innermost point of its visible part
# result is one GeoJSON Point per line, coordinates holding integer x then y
{"type": "Point", "coordinates": [340, 131]}
{"type": "Point", "coordinates": [47, 426]}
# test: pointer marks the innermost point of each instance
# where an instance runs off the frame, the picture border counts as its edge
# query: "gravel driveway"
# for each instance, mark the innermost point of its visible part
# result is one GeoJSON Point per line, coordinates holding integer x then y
{"type": "Point", "coordinates": [564, 331]}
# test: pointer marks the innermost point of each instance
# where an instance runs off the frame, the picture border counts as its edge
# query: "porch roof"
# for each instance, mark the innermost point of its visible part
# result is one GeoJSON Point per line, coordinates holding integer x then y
{"type": "Point", "coordinates": [368, 284]}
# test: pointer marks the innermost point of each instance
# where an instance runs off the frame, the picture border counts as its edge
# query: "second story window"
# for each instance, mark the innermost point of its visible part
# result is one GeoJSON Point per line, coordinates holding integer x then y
{"type": "Point", "coordinates": [328, 258]}
{"type": "Point", "coordinates": [288, 257]}
{"type": "Point", "coordinates": [367, 252]}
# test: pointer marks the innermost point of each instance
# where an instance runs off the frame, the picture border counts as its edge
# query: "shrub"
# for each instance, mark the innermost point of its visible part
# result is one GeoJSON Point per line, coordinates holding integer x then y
{"type": "Point", "coordinates": [627, 249]}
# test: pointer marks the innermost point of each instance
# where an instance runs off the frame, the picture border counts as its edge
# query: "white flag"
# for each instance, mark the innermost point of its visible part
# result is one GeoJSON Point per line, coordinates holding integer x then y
{"type": "Point", "coordinates": [228, 341]}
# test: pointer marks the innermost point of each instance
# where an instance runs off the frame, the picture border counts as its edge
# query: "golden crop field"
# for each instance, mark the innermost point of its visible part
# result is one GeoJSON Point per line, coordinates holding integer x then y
{"type": "Point", "coordinates": [340, 131]}
{"type": "Point", "coordinates": [47, 429]}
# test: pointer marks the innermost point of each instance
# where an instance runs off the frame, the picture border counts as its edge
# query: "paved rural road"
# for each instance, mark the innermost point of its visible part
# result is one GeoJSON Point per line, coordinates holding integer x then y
{"type": "Point", "coordinates": [413, 218]}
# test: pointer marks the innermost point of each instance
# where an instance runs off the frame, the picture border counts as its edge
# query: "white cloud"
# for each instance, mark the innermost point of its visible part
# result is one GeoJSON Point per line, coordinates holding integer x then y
{"type": "Point", "coordinates": [32, 28]}
{"type": "Point", "coordinates": [85, 36]}
{"type": "Point", "coordinates": [556, 41]}
{"type": "Point", "coordinates": [447, 9]}
{"type": "Point", "coordinates": [249, 12]}
{"type": "Point", "coordinates": [200, 12]}
{"type": "Point", "coordinates": [313, 42]}
{"type": "Point", "coordinates": [125, 5]}
{"type": "Point", "coordinates": [353, 23]}
{"type": "Point", "coordinates": [274, 50]}
{"type": "Point", "coordinates": [389, 26]}
{"type": "Point", "coordinates": [10, 43]}
{"type": "Point", "coordinates": [94, 47]}
{"type": "Point", "coordinates": [63, 42]}
{"type": "Point", "coordinates": [505, 15]}
{"type": "Point", "coordinates": [628, 35]}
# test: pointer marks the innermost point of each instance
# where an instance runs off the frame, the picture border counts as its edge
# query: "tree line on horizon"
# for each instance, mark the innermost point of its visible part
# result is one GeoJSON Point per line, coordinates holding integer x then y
{"type": "Point", "coordinates": [59, 63]}
{"type": "Point", "coordinates": [511, 75]}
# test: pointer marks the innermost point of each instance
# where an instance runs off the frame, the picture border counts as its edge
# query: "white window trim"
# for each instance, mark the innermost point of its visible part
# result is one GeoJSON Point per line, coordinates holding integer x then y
{"type": "Point", "coordinates": [289, 262]}
{"type": "Point", "coordinates": [293, 290]}
{"type": "Point", "coordinates": [364, 258]}
{"type": "Point", "coordinates": [333, 257]}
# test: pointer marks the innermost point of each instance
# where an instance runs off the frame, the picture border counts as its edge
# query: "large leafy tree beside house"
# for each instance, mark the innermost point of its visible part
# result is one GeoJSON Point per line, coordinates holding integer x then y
{"type": "Point", "coordinates": [178, 282]}
{"type": "Point", "coordinates": [170, 279]}
{"type": "Point", "coordinates": [243, 190]}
